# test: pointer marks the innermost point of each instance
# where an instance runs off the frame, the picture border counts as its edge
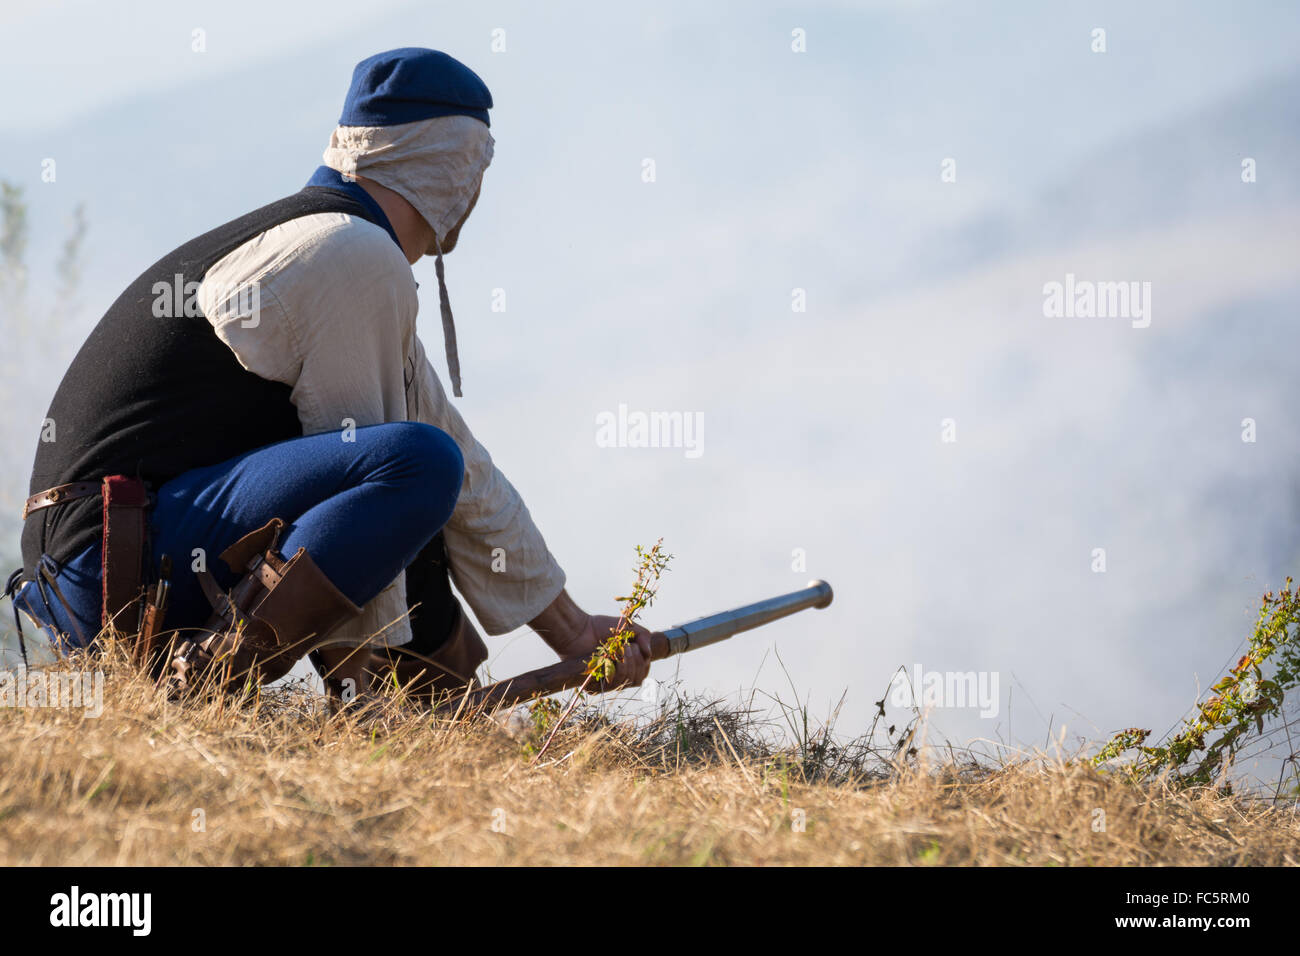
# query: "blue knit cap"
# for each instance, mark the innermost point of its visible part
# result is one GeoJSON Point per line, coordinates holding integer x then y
{"type": "Point", "coordinates": [411, 84]}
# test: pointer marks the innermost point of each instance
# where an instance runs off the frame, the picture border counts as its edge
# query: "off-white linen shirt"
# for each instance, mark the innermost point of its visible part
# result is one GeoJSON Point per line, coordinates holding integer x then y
{"type": "Point", "coordinates": [327, 305]}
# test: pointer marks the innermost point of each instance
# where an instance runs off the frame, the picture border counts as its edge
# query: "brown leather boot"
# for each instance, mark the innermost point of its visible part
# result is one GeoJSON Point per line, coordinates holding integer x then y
{"type": "Point", "coordinates": [345, 675]}
{"type": "Point", "coordinates": [450, 667]}
{"type": "Point", "coordinates": [274, 615]}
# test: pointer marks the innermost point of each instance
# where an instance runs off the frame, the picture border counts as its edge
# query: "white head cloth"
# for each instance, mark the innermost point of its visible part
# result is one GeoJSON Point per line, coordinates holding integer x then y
{"type": "Point", "coordinates": [436, 165]}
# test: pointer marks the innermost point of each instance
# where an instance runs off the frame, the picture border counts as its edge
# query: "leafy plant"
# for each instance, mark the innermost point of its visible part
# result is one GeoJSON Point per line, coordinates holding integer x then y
{"type": "Point", "coordinates": [651, 564]}
{"type": "Point", "coordinates": [542, 715]}
{"type": "Point", "coordinates": [1241, 701]}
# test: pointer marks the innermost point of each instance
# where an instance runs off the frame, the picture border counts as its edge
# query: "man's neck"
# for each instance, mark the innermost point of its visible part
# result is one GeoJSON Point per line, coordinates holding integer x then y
{"type": "Point", "coordinates": [413, 233]}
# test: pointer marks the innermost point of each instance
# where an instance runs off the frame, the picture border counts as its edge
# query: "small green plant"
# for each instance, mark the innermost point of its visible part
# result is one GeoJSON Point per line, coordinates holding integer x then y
{"type": "Point", "coordinates": [1121, 743]}
{"type": "Point", "coordinates": [542, 715]}
{"type": "Point", "coordinates": [1241, 701]}
{"type": "Point", "coordinates": [651, 564]}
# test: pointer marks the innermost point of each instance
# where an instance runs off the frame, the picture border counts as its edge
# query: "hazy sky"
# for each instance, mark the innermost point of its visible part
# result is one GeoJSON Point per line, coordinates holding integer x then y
{"type": "Point", "coordinates": [779, 170]}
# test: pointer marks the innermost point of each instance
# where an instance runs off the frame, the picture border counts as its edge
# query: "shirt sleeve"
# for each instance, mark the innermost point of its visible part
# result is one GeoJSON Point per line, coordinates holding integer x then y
{"type": "Point", "coordinates": [498, 558]}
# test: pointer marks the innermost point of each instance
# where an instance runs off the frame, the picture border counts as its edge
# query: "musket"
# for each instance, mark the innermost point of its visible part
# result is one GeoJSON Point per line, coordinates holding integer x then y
{"type": "Point", "coordinates": [690, 636]}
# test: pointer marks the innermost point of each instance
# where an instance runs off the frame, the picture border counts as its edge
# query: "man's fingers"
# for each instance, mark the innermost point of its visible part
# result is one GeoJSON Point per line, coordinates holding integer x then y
{"type": "Point", "coordinates": [643, 647]}
{"type": "Point", "coordinates": [647, 649]}
{"type": "Point", "coordinates": [636, 665]}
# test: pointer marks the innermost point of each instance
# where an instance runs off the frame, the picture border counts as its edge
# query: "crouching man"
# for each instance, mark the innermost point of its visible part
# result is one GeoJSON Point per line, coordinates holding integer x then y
{"type": "Point", "coordinates": [253, 443]}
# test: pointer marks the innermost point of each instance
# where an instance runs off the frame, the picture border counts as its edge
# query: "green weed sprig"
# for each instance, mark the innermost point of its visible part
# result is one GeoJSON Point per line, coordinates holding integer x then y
{"type": "Point", "coordinates": [651, 564]}
{"type": "Point", "coordinates": [1241, 701]}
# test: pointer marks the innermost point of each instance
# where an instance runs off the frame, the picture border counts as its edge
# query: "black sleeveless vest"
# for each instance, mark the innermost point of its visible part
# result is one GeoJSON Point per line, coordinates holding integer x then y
{"type": "Point", "coordinates": [153, 397]}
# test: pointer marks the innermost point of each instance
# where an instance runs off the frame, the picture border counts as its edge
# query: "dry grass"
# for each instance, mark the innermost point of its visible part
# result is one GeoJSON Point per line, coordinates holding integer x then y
{"type": "Point", "coordinates": [279, 782]}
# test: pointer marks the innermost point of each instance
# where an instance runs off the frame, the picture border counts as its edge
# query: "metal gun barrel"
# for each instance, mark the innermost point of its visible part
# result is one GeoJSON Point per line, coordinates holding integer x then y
{"type": "Point", "coordinates": [704, 631]}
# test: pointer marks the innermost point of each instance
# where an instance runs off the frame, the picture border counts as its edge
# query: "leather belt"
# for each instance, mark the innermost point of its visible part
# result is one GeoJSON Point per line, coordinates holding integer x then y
{"type": "Point", "coordinates": [59, 494]}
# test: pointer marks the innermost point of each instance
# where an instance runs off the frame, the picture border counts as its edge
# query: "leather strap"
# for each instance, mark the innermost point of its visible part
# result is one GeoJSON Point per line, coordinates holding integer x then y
{"type": "Point", "coordinates": [212, 591]}
{"type": "Point", "coordinates": [125, 500]}
{"type": "Point", "coordinates": [254, 556]}
{"type": "Point", "coordinates": [59, 494]}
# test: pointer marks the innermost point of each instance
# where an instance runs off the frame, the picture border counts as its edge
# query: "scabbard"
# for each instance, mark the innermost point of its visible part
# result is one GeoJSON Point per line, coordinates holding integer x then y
{"type": "Point", "coordinates": [124, 502]}
{"type": "Point", "coordinates": [146, 646]}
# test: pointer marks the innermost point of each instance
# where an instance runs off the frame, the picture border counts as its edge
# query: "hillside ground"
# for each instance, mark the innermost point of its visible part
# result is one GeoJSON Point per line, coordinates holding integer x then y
{"type": "Point", "coordinates": [276, 781]}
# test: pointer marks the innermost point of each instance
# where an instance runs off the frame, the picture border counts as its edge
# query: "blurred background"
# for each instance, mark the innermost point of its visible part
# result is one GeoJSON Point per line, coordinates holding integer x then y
{"type": "Point", "coordinates": [794, 147]}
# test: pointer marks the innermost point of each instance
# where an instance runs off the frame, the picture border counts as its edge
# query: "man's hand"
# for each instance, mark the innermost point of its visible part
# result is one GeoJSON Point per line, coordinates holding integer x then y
{"type": "Point", "coordinates": [572, 632]}
{"type": "Point", "coordinates": [635, 666]}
